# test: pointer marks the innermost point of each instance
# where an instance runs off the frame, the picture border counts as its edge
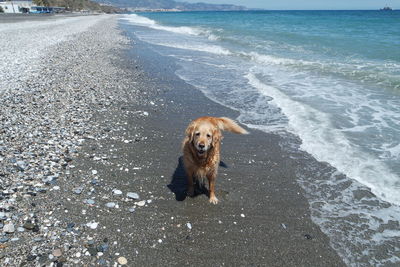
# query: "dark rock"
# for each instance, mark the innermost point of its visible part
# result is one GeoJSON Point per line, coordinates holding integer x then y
{"type": "Point", "coordinates": [55, 160]}
{"type": "Point", "coordinates": [307, 236]}
{"type": "Point", "coordinates": [43, 259]}
{"type": "Point", "coordinates": [41, 190]}
{"type": "Point", "coordinates": [29, 226]}
{"type": "Point", "coordinates": [36, 228]}
{"type": "Point", "coordinates": [102, 248]}
{"type": "Point", "coordinates": [92, 251]}
{"type": "Point", "coordinates": [31, 257]}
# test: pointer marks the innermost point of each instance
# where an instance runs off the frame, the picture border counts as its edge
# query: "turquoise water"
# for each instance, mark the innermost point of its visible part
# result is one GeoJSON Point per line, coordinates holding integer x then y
{"type": "Point", "coordinates": [370, 35]}
{"type": "Point", "coordinates": [358, 45]}
{"type": "Point", "coordinates": [330, 78]}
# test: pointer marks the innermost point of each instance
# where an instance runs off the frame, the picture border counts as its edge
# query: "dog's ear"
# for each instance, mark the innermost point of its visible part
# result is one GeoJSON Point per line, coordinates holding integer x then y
{"type": "Point", "coordinates": [189, 132]}
{"type": "Point", "coordinates": [217, 137]}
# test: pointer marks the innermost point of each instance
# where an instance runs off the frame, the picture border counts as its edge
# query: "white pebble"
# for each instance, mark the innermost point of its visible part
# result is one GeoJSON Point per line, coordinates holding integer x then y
{"type": "Point", "coordinates": [141, 203]}
{"type": "Point", "coordinates": [117, 192]}
{"type": "Point", "coordinates": [92, 225]}
{"type": "Point", "coordinates": [122, 260]}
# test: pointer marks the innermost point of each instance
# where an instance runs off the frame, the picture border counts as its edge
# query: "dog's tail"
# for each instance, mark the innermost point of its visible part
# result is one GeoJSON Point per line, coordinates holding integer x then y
{"type": "Point", "coordinates": [227, 124]}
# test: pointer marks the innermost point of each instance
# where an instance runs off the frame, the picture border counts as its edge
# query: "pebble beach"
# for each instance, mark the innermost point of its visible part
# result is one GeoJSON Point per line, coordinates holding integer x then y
{"type": "Point", "coordinates": [54, 74]}
{"type": "Point", "coordinates": [90, 162]}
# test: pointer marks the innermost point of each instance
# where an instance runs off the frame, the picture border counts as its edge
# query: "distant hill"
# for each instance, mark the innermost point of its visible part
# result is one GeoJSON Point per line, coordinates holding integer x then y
{"type": "Point", "coordinates": [169, 4]}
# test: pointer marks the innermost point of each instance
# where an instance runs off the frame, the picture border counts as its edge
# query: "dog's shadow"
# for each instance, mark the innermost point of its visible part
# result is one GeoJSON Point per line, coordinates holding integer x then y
{"type": "Point", "coordinates": [178, 182]}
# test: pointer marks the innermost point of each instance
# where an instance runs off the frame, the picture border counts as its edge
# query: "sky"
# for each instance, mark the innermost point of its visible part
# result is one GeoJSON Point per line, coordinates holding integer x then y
{"type": "Point", "coordinates": [307, 4]}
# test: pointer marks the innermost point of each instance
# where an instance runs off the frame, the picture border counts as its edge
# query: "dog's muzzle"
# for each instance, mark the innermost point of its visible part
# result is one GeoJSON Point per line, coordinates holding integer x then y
{"type": "Point", "coordinates": [201, 149]}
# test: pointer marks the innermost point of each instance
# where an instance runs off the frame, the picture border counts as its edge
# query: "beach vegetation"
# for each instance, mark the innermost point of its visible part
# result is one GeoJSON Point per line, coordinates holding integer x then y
{"type": "Point", "coordinates": [41, 2]}
{"type": "Point", "coordinates": [78, 5]}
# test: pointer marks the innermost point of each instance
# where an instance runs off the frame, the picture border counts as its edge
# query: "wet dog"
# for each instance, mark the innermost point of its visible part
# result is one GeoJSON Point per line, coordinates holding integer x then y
{"type": "Point", "coordinates": [201, 150]}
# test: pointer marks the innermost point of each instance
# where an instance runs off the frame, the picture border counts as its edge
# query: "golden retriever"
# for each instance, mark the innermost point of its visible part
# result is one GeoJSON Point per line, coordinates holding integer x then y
{"type": "Point", "coordinates": [201, 150]}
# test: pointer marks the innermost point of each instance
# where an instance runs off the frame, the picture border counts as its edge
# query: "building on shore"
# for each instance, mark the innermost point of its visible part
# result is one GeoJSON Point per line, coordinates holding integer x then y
{"type": "Point", "coordinates": [24, 6]}
{"type": "Point", "coordinates": [16, 6]}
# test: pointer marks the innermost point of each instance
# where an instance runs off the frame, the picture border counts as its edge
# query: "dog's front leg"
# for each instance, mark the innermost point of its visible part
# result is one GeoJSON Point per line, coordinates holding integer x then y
{"type": "Point", "coordinates": [190, 187]}
{"type": "Point", "coordinates": [211, 182]}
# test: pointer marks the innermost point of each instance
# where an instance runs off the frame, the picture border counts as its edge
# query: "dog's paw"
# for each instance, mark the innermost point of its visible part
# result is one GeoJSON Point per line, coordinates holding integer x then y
{"type": "Point", "coordinates": [213, 200]}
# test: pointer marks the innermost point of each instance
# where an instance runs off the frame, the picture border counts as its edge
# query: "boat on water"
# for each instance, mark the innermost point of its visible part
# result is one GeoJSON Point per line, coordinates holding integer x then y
{"type": "Point", "coordinates": [386, 8]}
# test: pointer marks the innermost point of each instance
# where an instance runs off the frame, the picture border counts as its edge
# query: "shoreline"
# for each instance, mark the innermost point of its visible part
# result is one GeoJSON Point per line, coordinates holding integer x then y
{"type": "Point", "coordinates": [126, 129]}
{"type": "Point", "coordinates": [244, 157]}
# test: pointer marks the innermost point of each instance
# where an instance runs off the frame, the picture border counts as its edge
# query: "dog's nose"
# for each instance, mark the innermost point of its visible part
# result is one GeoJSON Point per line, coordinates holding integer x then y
{"type": "Point", "coordinates": [201, 146]}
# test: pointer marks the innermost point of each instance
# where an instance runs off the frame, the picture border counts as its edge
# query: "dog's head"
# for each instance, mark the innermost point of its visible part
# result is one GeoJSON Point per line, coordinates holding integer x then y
{"type": "Point", "coordinates": [204, 136]}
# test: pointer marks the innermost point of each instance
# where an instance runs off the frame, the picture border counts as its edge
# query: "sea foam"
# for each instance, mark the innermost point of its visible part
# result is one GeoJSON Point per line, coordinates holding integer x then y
{"type": "Point", "coordinates": [143, 21]}
{"type": "Point", "coordinates": [325, 143]}
{"type": "Point", "coordinates": [188, 44]}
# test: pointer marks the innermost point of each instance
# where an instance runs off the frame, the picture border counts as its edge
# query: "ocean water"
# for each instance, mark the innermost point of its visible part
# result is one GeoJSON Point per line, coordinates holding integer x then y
{"type": "Point", "coordinates": [330, 79]}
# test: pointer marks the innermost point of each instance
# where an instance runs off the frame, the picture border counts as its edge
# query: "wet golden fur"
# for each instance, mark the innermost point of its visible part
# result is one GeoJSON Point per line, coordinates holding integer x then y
{"type": "Point", "coordinates": [201, 150]}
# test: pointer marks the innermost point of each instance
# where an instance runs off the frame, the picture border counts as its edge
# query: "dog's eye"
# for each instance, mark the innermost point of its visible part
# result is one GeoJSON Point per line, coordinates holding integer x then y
{"type": "Point", "coordinates": [197, 134]}
{"type": "Point", "coordinates": [208, 135]}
